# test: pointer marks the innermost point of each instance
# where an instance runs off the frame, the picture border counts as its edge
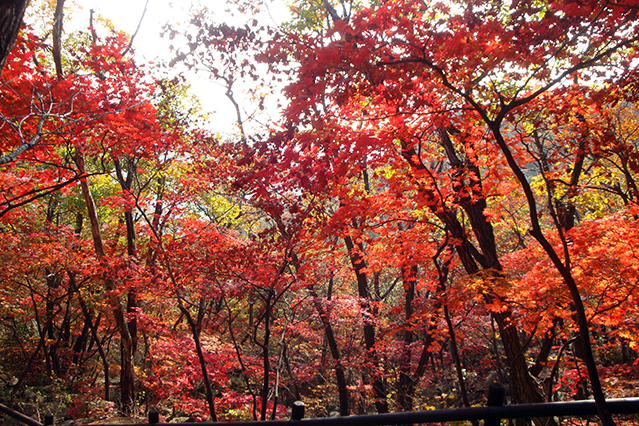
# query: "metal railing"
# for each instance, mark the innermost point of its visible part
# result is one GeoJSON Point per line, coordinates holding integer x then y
{"type": "Point", "coordinates": [491, 414]}
{"type": "Point", "coordinates": [48, 419]}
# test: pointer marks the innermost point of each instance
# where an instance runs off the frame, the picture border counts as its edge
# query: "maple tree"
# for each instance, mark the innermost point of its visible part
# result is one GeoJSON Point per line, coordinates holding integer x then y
{"type": "Point", "coordinates": [384, 75]}
{"type": "Point", "coordinates": [57, 124]}
{"type": "Point", "coordinates": [447, 196]}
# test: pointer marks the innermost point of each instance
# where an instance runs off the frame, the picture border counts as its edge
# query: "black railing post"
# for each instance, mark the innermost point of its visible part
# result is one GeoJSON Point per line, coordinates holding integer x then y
{"type": "Point", "coordinates": [297, 410]}
{"type": "Point", "coordinates": [154, 416]}
{"type": "Point", "coordinates": [48, 420]}
{"type": "Point", "coordinates": [496, 393]}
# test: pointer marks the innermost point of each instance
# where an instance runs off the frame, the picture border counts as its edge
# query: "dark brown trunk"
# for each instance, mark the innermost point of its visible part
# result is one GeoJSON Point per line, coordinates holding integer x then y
{"type": "Point", "coordinates": [359, 266]}
{"type": "Point", "coordinates": [266, 356]}
{"type": "Point", "coordinates": [454, 352]}
{"type": "Point", "coordinates": [443, 271]}
{"type": "Point", "coordinates": [11, 14]}
{"type": "Point", "coordinates": [62, 340]}
{"type": "Point", "coordinates": [332, 344]}
{"type": "Point", "coordinates": [236, 345]}
{"type": "Point", "coordinates": [582, 321]}
{"type": "Point", "coordinates": [81, 343]}
{"type": "Point", "coordinates": [58, 20]}
{"type": "Point", "coordinates": [524, 388]}
{"type": "Point", "coordinates": [88, 317]}
{"type": "Point", "coordinates": [195, 332]}
{"type": "Point", "coordinates": [544, 351]}
{"type": "Point", "coordinates": [131, 249]}
{"type": "Point", "coordinates": [53, 363]}
{"type": "Point", "coordinates": [127, 373]}
{"type": "Point", "coordinates": [404, 394]}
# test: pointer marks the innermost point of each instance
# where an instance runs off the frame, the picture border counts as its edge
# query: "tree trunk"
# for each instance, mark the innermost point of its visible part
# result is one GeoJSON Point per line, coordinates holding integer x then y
{"type": "Point", "coordinates": [359, 265]}
{"type": "Point", "coordinates": [455, 355]}
{"type": "Point", "coordinates": [564, 270]}
{"type": "Point", "coordinates": [265, 345]}
{"type": "Point", "coordinates": [88, 317]}
{"type": "Point", "coordinates": [332, 344]}
{"type": "Point", "coordinates": [324, 315]}
{"type": "Point", "coordinates": [11, 14]}
{"type": "Point", "coordinates": [58, 20]}
{"type": "Point", "coordinates": [524, 388]}
{"type": "Point", "coordinates": [443, 270]}
{"type": "Point", "coordinates": [195, 332]}
{"type": "Point", "coordinates": [404, 394]}
{"type": "Point", "coordinates": [126, 185]}
{"type": "Point", "coordinates": [127, 373]}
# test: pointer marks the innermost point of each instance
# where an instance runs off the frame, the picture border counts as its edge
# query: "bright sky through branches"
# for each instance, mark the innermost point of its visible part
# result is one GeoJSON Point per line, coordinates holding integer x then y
{"type": "Point", "coordinates": [126, 14]}
{"type": "Point", "coordinates": [146, 21]}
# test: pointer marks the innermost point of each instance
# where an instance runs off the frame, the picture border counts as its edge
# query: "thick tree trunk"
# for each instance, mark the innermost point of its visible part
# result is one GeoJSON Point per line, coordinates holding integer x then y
{"type": "Point", "coordinates": [58, 20]}
{"type": "Point", "coordinates": [485, 263]}
{"type": "Point", "coordinates": [11, 14]}
{"type": "Point", "coordinates": [524, 388]}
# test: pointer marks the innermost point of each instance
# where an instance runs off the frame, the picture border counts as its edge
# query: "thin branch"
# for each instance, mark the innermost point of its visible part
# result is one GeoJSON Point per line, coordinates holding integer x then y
{"type": "Point", "coordinates": [34, 194]}
{"type": "Point", "coordinates": [137, 29]}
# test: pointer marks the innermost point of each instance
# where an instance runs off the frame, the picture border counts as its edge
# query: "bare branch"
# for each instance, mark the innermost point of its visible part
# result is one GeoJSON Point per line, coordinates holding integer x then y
{"type": "Point", "coordinates": [137, 29]}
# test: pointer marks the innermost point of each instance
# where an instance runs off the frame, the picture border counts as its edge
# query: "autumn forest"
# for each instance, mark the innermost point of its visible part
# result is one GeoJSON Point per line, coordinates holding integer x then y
{"type": "Point", "coordinates": [419, 198]}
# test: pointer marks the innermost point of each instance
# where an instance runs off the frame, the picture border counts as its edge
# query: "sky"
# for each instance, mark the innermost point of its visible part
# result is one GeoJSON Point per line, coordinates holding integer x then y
{"type": "Point", "coordinates": [150, 46]}
{"type": "Point", "coordinates": [125, 15]}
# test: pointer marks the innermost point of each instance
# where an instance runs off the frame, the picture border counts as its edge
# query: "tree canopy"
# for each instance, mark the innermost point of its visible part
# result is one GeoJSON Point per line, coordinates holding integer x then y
{"type": "Point", "coordinates": [421, 198]}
